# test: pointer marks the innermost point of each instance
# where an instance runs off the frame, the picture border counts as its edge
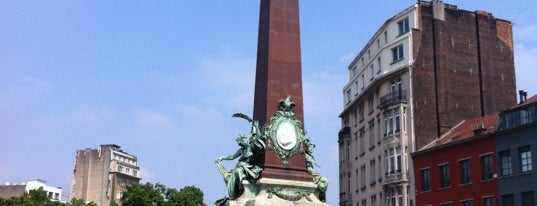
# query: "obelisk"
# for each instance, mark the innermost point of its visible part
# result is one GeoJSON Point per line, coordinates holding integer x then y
{"type": "Point", "coordinates": [278, 75]}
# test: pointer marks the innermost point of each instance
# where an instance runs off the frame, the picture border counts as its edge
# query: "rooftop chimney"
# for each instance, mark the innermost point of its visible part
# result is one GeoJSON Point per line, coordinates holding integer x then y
{"type": "Point", "coordinates": [523, 96]}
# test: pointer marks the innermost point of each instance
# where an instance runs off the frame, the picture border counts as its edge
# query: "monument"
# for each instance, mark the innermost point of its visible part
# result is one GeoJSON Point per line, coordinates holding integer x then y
{"type": "Point", "coordinates": [275, 163]}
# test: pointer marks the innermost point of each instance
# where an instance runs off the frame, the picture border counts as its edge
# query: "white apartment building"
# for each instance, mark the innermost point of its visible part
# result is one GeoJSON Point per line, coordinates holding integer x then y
{"type": "Point", "coordinates": [374, 163]}
{"type": "Point", "coordinates": [423, 71]}
{"type": "Point", "coordinates": [12, 190]}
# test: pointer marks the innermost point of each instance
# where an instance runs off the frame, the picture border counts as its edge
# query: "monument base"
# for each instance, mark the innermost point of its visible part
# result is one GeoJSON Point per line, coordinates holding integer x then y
{"type": "Point", "coordinates": [268, 192]}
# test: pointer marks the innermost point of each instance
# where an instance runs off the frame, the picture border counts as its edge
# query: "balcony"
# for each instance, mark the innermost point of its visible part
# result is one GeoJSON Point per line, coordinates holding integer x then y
{"type": "Point", "coordinates": [395, 178]}
{"type": "Point", "coordinates": [393, 97]}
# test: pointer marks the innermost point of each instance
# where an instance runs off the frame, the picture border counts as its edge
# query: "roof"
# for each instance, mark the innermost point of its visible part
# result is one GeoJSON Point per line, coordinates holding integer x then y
{"type": "Point", "coordinates": [526, 102]}
{"type": "Point", "coordinates": [466, 129]}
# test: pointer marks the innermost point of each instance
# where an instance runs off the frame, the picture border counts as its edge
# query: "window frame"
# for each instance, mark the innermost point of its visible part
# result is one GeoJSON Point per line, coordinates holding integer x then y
{"type": "Point", "coordinates": [487, 167]}
{"type": "Point", "coordinates": [444, 176]}
{"type": "Point", "coordinates": [403, 26]}
{"type": "Point", "coordinates": [466, 171]}
{"type": "Point", "coordinates": [425, 175]}
{"type": "Point", "coordinates": [398, 53]}
{"type": "Point", "coordinates": [506, 162]}
{"type": "Point", "coordinates": [524, 153]}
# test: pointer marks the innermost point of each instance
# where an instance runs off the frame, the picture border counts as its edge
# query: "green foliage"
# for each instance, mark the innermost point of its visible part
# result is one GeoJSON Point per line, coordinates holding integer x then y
{"type": "Point", "coordinates": [158, 195]}
{"type": "Point", "coordinates": [136, 195]}
{"type": "Point", "coordinates": [187, 196]}
{"type": "Point", "coordinates": [39, 198]}
{"type": "Point", "coordinates": [143, 194]}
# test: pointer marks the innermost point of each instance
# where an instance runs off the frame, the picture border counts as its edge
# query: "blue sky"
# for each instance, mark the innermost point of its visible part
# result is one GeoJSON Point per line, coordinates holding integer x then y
{"type": "Point", "coordinates": [162, 78]}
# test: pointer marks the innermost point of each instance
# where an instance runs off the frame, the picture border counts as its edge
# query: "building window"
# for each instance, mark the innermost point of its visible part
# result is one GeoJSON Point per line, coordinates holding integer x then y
{"type": "Point", "coordinates": [525, 159]}
{"type": "Point", "coordinates": [517, 118]}
{"type": "Point", "coordinates": [392, 121]}
{"type": "Point", "coordinates": [378, 44]}
{"type": "Point", "coordinates": [120, 168]}
{"type": "Point", "coordinates": [379, 130]}
{"type": "Point", "coordinates": [425, 180]}
{"type": "Point", "coordinates": [380, 170]}
{"type": "Point", "coordinates": [363, 82]}
{"type": "Point", "coordinates": [380, 65]}
{"type": "Point", "coordinates": [444, 176]}
{"type": "Point", "coordinates": [135, 173]}
{"type": "Point", "coordinates": [371, 134]}
{"type": "Point", "coordinates": [361, 112]}
{"type": "Point", "coordinates": [354, 71]}
{"type": "Point", "coordinates": [394, 196]}
{"type": "Point", "coordinates": [527, 198]}
{"type": "Point", "coordinates": [371, 72]}
{"type": "Point", "coordinates": [508, 200]}
{"type": "Point", "coordinates": [506, 163]}
{"type": "Point", "coordinates": [371, 102]}
{"type": "Point", "coordinates": [397, 53]}
{"type": "Point", "coordinates": [467, 203]}
{"type": "Point", "coordinates": [372, 172]}
{"type": "Point", "coordinates": [362, 177]}
{"type": "Point", "coordinates": [347, 152]}
{"type": "Point", "coordinates": [373, 200]}
{"type": "Point", "coordinates": [127, 170]}
{"type": "Point", "coordinates": [489, 201]}
{"type": "Point", "coordinates": [404, 26]}
{"type": "Point", "coordinates": [362, 142]}
{"type": "Point", "coordinates": [385, 37]}
{"type": "Point", "coordinates": [349, 96]}
{"type": "Point", "coordinates": [465, 171]}
{"type": "Point", "coordinates": [399, 163]}
{"type": "Point", "coordinates": [446, 204]}
{"type": "Point", "coordinates": [364, 202]}
{"type": "Point", "coordinates": [356, 179]}
{"type": "Point", "coordinates": [392, 160]}
{"type": "Point", "coordinates": [486, 164]}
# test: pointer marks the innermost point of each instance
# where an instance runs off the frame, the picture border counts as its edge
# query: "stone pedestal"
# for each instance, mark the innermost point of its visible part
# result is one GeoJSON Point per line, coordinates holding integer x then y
{"type": "Point", "coordinates": [268, 192]}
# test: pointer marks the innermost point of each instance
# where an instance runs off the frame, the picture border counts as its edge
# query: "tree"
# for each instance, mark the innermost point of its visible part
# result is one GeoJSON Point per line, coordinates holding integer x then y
{"type": "Point", "coordinates": [187, 196]}
{"type": "Point", "coordinates": [80, 202]}
{"type": "Point", "coordinates": [158, 195]}
{"type": "Point", "coordinates": [38, 197]}
{"type": "Point", "coordinates": [143, 194]}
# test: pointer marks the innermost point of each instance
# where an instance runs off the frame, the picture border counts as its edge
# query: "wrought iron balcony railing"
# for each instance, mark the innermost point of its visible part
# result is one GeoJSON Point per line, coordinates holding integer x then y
{"type": "Point", "coordinates": [393, 98]}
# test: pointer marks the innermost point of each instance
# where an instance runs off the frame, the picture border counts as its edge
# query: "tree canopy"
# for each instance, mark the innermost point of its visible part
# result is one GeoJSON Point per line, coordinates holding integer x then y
{"type": "Point", "coordinates": [38, 197]}
{"type": "Point", "coordinates": [158, 195]}
{"type": "Point", "coordinates": [135, 195]}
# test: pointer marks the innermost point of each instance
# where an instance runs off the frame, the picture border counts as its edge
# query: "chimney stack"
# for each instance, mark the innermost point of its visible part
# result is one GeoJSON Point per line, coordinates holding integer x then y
{"type": "Point", "coordinates": [523, 96]}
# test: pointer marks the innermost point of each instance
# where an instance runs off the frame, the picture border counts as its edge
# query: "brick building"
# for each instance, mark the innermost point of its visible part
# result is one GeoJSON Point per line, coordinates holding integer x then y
{"type": "Point", "coordinates": [425, 69]}
{"type": "Point", "coordinates": [101, 175]}
{"type": "Point", "coordinates": [459, 168]}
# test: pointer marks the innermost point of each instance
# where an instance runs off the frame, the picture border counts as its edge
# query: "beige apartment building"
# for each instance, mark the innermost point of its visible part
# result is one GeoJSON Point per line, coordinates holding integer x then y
{"type": "Point", "coordinates": [426, 69]}
{"type": "Point", "coordinates": [101, 175]}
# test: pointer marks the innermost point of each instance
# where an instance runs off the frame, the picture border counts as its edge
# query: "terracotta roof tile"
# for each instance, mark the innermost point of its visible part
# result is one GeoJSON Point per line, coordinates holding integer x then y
{"type": "Point", "coordinates": [466, 129]}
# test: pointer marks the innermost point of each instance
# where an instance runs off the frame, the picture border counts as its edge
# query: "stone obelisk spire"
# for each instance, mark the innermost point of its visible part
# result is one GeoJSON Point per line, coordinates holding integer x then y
{"type": "Point", "coordinates": [278, 75]}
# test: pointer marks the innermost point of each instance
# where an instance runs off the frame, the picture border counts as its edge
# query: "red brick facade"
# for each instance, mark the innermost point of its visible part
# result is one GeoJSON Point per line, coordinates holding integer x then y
{"type": "Point", "coordinates": [464, 68]}
{"type": "Point", "coordinates": [456, 192]}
